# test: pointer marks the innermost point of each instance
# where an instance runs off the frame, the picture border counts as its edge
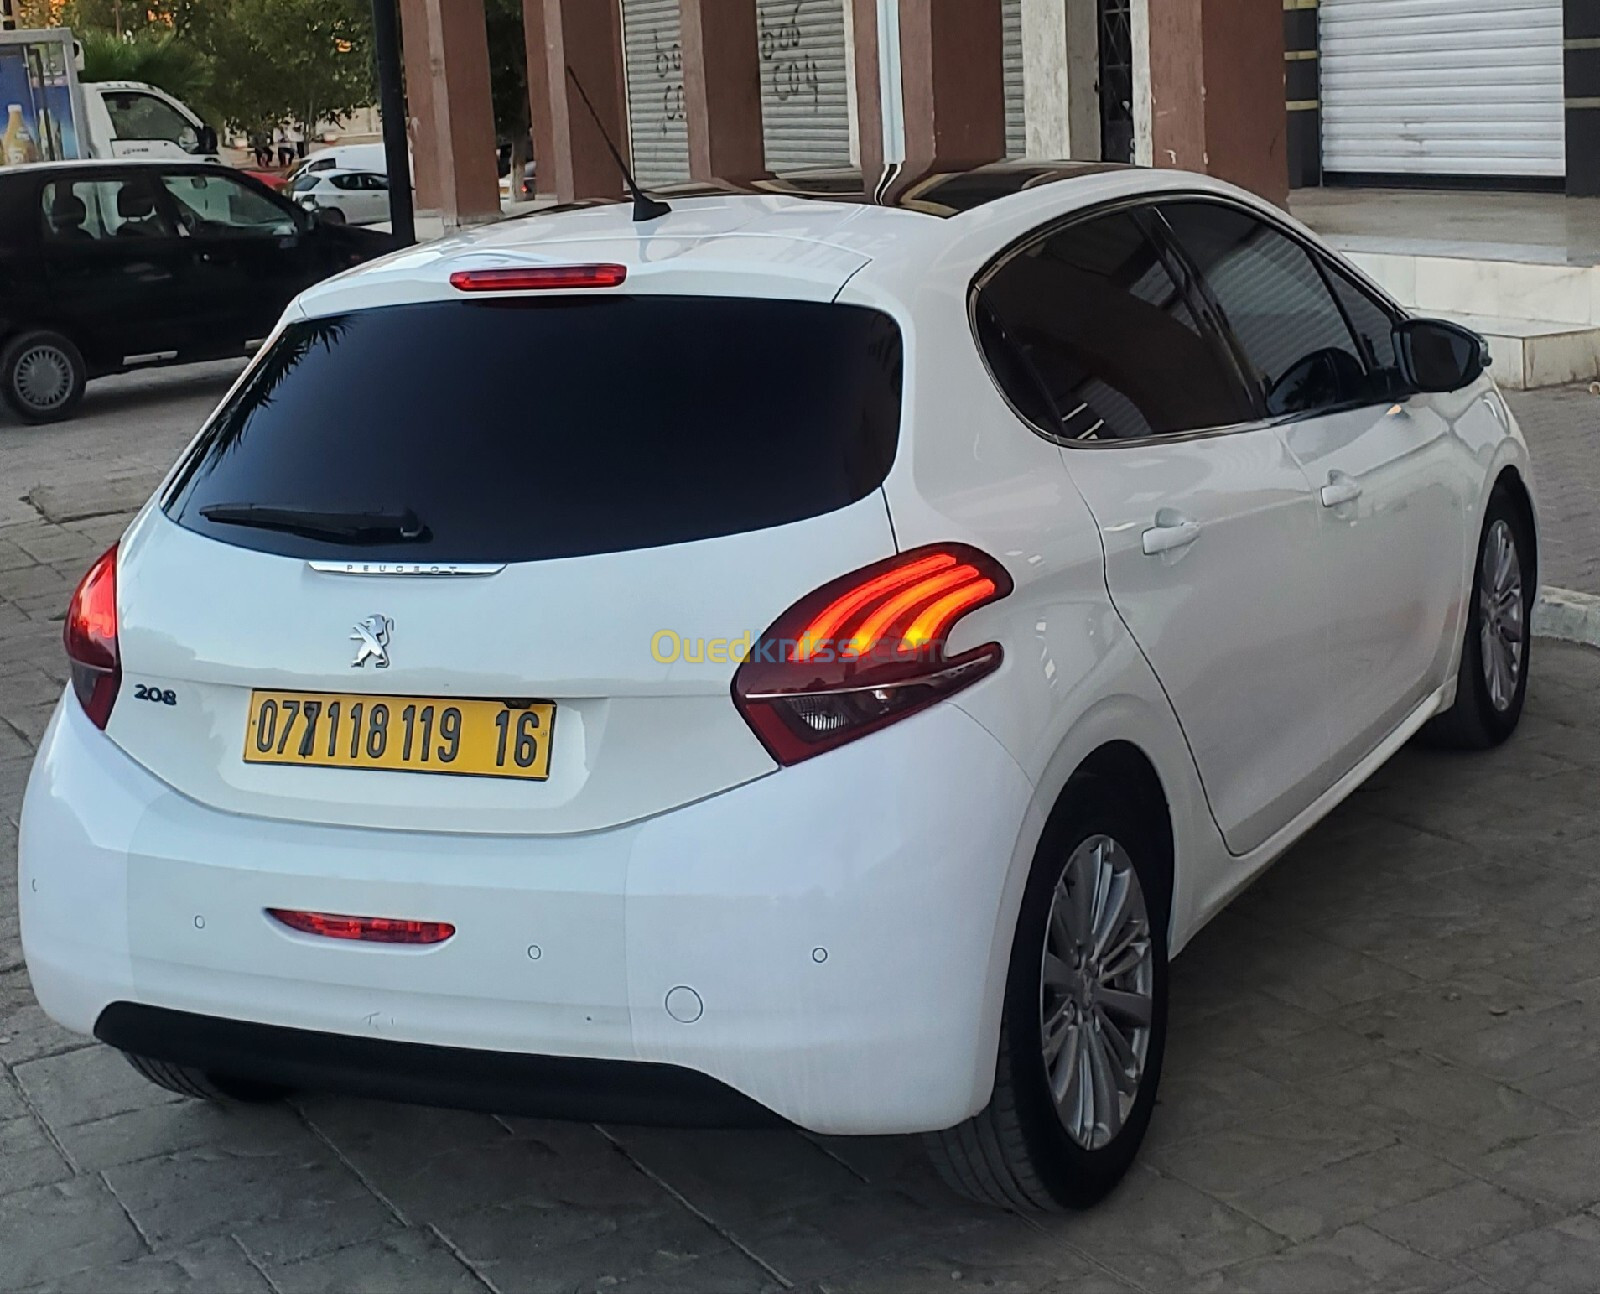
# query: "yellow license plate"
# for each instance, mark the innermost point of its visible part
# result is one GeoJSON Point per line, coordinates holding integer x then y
{"type": "Point", "coordinates": [411, 734]}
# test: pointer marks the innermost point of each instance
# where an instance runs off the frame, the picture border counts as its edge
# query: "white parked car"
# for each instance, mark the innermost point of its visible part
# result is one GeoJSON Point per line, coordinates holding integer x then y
{"type": "Point", "coordinates": [343, 157]}
{"type": "Point", "coordinates": [891, 634]}
{"type": "Point", "coordinates": [344, 197]}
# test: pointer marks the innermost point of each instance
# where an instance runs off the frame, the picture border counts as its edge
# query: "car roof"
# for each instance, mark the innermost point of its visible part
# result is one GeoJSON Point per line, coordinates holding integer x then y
{"type": "Point", "coordinates": [113, 163]}
{"type": "Point", "coordinates": [931, 192]}
{"type": "Point", "coordinates": [805, 235]}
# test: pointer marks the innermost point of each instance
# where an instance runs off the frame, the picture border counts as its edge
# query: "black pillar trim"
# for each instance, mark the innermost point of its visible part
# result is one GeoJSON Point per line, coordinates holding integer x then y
{"type": "Point", "coordinates": [1302, 70]}
{"type": "Point", "coordinates": [1582, 60]}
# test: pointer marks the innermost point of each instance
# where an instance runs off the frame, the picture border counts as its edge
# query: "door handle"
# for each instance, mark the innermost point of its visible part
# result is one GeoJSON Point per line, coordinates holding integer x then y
{"type": "Point", "coordinates": [1171, 532]}
{"type": "Point", "coordinates": [1340, 489]}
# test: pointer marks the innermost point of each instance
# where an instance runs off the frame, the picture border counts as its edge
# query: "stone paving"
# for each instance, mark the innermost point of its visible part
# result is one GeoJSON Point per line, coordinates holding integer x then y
{"type": "Point", "coordinates": [1562, 425]}
{"type": "Point", "coordinates": [1382, 1069]}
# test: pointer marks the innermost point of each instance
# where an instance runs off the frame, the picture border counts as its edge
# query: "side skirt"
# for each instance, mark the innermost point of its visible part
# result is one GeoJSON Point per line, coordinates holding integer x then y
{"type": "Point", "coordinates": [1246, 868]}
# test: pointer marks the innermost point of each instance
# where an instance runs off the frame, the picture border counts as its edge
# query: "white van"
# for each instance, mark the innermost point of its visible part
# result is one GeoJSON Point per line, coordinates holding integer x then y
{"type": "Point", "coordinates": [344, 157]}
{"type": "Point", "coordinates": [132, 119]}
{"type": "Point", "coordinates": [50, 115]}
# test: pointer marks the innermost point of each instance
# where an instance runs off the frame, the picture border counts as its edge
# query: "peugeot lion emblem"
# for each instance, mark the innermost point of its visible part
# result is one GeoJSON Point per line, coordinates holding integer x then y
{"type": "Point", "coordinates": [372, 638]}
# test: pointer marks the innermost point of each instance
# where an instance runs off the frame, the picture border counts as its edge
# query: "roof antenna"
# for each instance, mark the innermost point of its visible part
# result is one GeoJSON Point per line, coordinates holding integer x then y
{"type": "Point", "coordinates": [644, 206]}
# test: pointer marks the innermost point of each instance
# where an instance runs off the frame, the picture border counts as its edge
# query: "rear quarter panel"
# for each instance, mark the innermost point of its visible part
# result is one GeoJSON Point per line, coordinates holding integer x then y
{"type": "Point", "coordinates": [968, 469]}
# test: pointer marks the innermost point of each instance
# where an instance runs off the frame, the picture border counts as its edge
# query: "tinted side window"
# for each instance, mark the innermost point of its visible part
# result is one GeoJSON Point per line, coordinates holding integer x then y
{"type": "Point", "coordinates": [77, 211]}
{"type": "Point", "coordinates": [1374, 329]}
{"type": "Point", "coordinates": [1274, 299]}
{"type": "Point", "coordinates": [72, 212]}
{"type": "Point", "coordinates": [217, 204]}
{"type": "Point", "coordinates": [1089, 326]}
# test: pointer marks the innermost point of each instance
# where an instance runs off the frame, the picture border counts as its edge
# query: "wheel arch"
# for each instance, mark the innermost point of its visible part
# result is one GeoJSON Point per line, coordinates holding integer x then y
{"type": "Point", "coordinates": [1126, 764]}
{"type": "Point", "coordinates": [1510, 482]}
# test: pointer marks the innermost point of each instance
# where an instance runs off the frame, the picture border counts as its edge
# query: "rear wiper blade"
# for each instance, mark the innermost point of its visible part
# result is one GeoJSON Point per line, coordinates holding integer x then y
{"type": "Point", "coordinates": [346, 527]}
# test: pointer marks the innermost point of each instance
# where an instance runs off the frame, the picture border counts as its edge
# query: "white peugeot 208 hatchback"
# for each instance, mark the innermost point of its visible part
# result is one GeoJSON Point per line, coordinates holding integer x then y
{"type": "Point", "coordinates": [811, 655]}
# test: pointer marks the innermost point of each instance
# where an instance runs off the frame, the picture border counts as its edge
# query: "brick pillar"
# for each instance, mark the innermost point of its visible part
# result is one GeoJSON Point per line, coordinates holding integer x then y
{"type": "Point", "coordinates": [538, 60]}
{"type": "Point", "coordinates": [1583, 97]}
{"type": "Point", "coordinates": [1302, 88]}
{"type": "Point", "coordinates": [1217, 90]}
{"type": "Point", "coordinates": [453, 116]}
{"type": "Point", "coordinates": [587, 36]}
{"type": "Point", "coordinates": [419, 104]}
{"type": "Point", "coordinates": [863, 16]}
{"type": "Point", "coordinates": [722, 89]}
{"type": "Point", "coordinates": [953, 80]}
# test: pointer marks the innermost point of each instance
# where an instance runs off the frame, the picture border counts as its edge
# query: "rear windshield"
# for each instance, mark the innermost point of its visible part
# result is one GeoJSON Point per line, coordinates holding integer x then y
{"type": "Point", "coordinates": [516, 430]}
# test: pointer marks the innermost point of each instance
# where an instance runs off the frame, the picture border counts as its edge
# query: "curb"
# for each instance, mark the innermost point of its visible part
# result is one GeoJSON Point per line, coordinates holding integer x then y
{"type": "Point", "coordinates": [1567, 615]}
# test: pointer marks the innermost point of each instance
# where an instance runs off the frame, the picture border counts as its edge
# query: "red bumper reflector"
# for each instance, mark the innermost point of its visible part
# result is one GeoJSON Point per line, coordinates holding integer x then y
{"type": "Point", "coordinates": [372, 930]}
{"type": "Point", "coordinates": [533, 278]}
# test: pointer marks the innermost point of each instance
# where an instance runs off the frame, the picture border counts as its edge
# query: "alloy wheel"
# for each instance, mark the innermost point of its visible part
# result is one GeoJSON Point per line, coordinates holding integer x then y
{"type": "Point", "coordinates": [43, 378]}
{"type": "Point", "coordinates": [1096, 992]}
{"type": "Point", "coordinates": [1502, 620]}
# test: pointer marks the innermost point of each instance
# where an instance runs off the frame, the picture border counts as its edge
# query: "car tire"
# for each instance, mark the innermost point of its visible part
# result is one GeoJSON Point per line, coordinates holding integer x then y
{"type": "Point", "coordinates": [42, 376]}
{"type": "Point", "coordinates": [1492, 682]}
{"type": "Point", "coordinates": [201, 1086]}
{"type": "Point", "coordinates": [1021, 1151]}
{"type": "Point", "coordinates": [331, 215]}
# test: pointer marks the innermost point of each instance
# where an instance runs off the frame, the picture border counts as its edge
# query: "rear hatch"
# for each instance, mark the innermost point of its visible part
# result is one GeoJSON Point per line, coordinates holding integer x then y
{"type": "Point", "coordinates": [529, 530]}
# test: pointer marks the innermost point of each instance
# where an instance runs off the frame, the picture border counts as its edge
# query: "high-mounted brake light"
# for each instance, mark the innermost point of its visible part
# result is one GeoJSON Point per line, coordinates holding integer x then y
{"type": "Point", "coordinates": [535, 278]}
{"type": "Point", "coordinates": [867, 650]}
{"type": "Point", "coordinates": [373, 930]}
{"type": "Point", "coordinates": [90, 636]}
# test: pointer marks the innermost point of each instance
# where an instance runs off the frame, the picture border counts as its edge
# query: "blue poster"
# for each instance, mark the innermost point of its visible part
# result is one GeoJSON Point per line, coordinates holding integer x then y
{"type": "Point", "coordinates": [37, 124]}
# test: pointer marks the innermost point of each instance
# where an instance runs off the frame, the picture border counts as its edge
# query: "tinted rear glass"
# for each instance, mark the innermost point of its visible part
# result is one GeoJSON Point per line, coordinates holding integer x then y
{"type": "Point", "coordinates": [516, 430]}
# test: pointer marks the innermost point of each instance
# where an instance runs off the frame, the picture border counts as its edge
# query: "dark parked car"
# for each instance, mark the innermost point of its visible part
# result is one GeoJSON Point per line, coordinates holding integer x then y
{"type": "Point", "coordinates": [105, 266]}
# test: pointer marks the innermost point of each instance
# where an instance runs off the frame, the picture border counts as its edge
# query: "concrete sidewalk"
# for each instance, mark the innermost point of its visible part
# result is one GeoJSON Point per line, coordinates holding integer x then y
{"type": "Point", "coordinates": [1381, 1072]}
{"type": "Point", "coordinates": [1562, 425]}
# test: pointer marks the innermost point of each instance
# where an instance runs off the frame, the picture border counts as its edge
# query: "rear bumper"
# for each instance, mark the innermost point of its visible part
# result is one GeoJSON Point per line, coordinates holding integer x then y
{"type": "Point", "coordinates": [547, 1087]}
{"type": "Point", "coordinates": [828, 941]}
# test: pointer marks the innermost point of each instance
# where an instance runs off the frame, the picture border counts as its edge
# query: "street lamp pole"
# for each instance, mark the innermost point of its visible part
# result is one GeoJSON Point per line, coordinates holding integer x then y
{"type": "Point", "coordinates": [392, 104]}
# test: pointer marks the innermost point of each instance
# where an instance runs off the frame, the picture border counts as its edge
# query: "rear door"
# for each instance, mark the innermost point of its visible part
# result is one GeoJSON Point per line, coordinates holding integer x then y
{"type": "Point", "coordinates": [374, 197]}
{"type": "Point", "coordinates": [114, 264]}
{"type": "Point", "coordinates": [1208, 524]}
{"type": "Point", "coordinates": [1389, 521]}
{"type": "Point", "coordinates": [381, 592]}
{"type": "Point", "coordinates": [248, 252]}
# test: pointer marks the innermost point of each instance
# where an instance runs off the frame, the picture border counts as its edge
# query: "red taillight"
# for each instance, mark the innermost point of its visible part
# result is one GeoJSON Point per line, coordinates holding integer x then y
{"type": "Point", "coordinates": [534, 278]}
{"type": "Point", "coordinates": [372, 930]}
{"type": "Point", "coordinates": [867, 649]}
{"type": "Point", "coordinates": [91, 639]}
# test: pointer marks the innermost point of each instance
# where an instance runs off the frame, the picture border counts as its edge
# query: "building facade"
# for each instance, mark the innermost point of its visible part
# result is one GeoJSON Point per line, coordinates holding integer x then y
{"type": "Point", "coordinates": [1268, 93]}
{"type": "Point", "coordinates": [1434, 93]}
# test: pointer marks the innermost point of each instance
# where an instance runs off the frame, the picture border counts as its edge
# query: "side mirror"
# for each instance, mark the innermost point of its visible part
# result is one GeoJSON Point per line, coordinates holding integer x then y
{"type": "Point", "coordinates": [1436, 355]}
{"type": "Point", "coordinates": [208, 140]}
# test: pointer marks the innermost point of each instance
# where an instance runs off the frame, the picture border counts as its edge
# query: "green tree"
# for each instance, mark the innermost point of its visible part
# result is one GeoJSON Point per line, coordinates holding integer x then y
{"type": "Point", "coordinates": [304, 61]}
{"type": "Point", "coordinates": [129, 17]}
{"type": "Point", "coordinates": [157, 56]}
{"type": "Point", "coordinates": [508, 81]}
{"type": "Point", "coordinates": [508, 67]}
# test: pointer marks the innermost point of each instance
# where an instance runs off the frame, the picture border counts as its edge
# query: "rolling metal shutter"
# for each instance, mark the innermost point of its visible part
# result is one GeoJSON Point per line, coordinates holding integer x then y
{"type": "Point", "coordinates": [1011, 35]}
{"type": "Point", "coordinates": [1443, 87]}
{"type": "Point", "coordinates": [653, 65]}
{"type": "Point", "coordinates": [805, 103]}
